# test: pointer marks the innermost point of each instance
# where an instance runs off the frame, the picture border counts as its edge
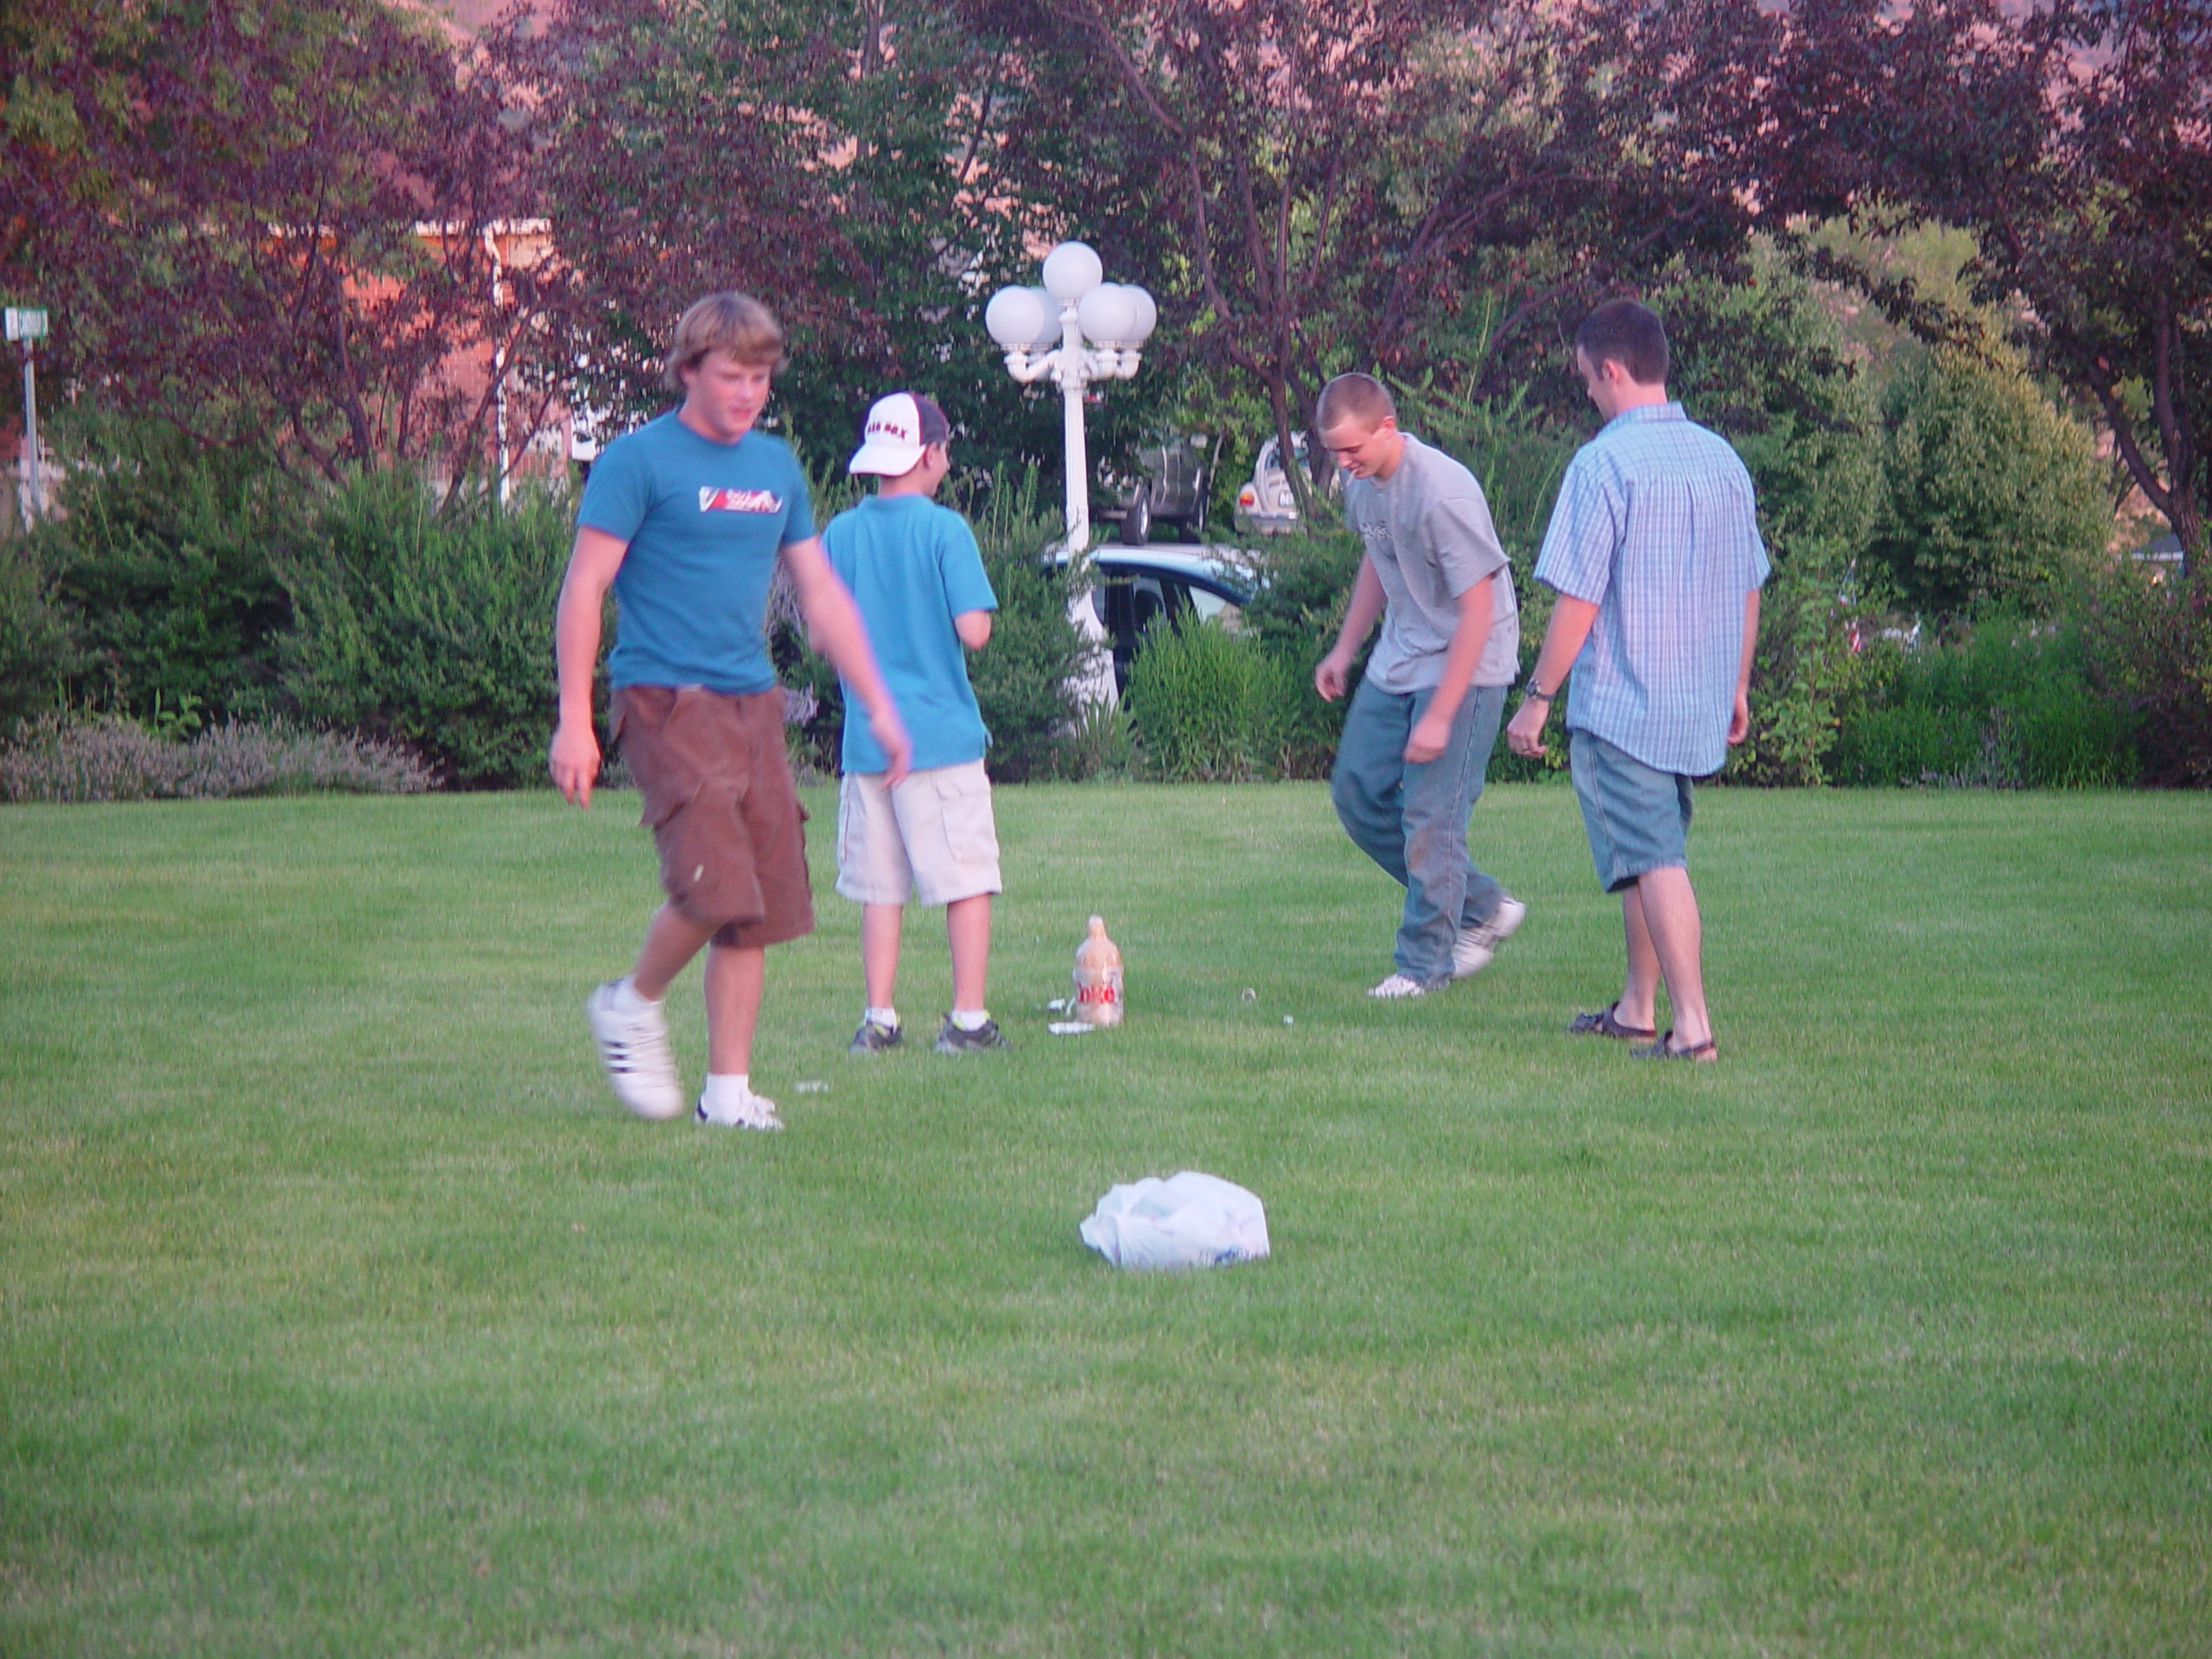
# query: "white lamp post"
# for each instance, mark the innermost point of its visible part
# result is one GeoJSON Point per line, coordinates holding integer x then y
{"type": "Point", "coordinates": [1077, 328]}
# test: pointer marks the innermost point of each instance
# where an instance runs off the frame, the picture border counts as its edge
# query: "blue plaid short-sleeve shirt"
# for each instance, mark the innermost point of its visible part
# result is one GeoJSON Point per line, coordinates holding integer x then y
{"type": "Point", "coordinates": [1655, 525]}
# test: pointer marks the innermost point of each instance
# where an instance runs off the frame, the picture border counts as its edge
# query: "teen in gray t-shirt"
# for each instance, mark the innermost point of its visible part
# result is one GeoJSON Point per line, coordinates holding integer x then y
{"type": "Point", "coordinates": [1418, 736]}
{"type": "Point", "coordinates": [1428, 531]}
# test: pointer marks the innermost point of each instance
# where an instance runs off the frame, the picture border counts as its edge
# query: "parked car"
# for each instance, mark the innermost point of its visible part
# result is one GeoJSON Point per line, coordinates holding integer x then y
{"type": "Point", "coordinates": [1266, 506]}
{"type": "Point", "coordinates": [1177, 479]}
{"type": "Point", "coordinates": [1135, 586]}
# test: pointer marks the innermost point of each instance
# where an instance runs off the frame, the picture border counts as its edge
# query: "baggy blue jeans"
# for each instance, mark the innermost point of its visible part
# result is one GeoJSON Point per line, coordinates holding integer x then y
{"type": "Point", "coordinates": [1412, 819]}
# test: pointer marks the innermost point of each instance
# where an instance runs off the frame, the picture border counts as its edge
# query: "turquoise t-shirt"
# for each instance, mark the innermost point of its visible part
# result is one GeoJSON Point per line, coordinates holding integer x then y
{"type": "Point", "coordinates": [704, 522]}
{"type": "Point", "coordinates": [913, 566]}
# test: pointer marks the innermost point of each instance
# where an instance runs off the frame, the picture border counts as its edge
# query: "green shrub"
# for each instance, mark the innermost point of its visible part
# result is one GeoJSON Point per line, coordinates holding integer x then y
{"type": "Point", "coordinates": [1991, 496]}
{"type": "Point", "coordinates": [161, 569]}
{"type": "Point", "coordinates": [1765, 364]}
{"type": "Point", "coordinates": [1913, 743]}
{"type": "Point", "coordinates": [1209, 705]}
{"type": "Point", "coordinates": [431, 623]}
{"type": "Point", "coordinates": [1101, 742]}
{"type": "Point", "coordinates": [1518, 457]}
{"type": "Point", "coordinates": [2008, 706]}
{"type": "Point", "coordinates": [1302, 582]}
{"type": "Point", "coordinates": [1816, 663]}
{"type": "Point", "coordinates": [1027, 679]}
{"type": "Point", "coordinates": [39, 654]}
{"type": "Point", "coordinates": [2148, 643]}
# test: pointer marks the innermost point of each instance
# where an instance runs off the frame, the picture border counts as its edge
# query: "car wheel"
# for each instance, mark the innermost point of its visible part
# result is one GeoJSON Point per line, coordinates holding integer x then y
{"type": "Point", "coordinates": [1136, 523]}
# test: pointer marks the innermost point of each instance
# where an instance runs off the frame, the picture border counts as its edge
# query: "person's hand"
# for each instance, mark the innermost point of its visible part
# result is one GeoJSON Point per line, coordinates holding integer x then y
{"type": "Point", "coordinates": [1329, 677]}
{"type": "Point", "coordinates": [1524, 733]}
{"type": "Point", "coordinates": [1429, 735]}
{"type": "Point", "coordinates": [574, 760]}
{"type": "Point", "coordinates": [890, 733]}
{"type": "Point", "coordinates": [1739, 720]}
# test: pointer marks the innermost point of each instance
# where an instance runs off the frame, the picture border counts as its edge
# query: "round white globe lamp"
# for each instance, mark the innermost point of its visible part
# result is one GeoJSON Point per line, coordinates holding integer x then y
{"type": "Point", "coordinates": [1019, 318]}
{"type": "Point", "coordinates": [1108, 315]}
{"type": "Point", "coordinates": [1072, 271]}
{"type": "Point", "coordinates": [1076, 329]}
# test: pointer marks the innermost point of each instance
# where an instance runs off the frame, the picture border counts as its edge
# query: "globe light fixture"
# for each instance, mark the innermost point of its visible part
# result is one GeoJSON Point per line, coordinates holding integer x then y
{"type": "Point", "coordinates": [1076, 329]}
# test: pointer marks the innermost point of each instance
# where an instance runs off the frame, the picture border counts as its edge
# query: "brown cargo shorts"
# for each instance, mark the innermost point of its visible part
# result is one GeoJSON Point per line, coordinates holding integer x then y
{"type": "Point", "coordinates": [718, 800]}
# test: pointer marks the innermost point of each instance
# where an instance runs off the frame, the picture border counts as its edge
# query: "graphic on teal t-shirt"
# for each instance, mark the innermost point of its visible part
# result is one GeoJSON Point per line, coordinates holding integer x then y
{"type": "Point", "coordinates": [704, 522]}
{"type": "Point", "coordinates": [912, 567]}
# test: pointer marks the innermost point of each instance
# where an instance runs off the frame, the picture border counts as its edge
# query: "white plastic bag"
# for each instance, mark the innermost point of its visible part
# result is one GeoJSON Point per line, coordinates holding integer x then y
{"type": "Point", "coordinates": [1189, 1220]}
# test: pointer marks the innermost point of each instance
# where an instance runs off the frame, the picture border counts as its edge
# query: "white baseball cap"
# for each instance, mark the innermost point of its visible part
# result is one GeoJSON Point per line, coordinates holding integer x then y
{"type": "Point", "coordinates": [898, 428]}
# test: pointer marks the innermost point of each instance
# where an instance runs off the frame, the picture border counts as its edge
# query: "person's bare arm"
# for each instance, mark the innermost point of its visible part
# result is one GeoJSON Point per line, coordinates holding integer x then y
{"type": "Point", "coordinates": [1366, 605]}
{"type": "Point", "coordinates": [833, 623]}
{"type": "Point", "coordinates": [974, 628]}
{"type": "Point", "coordinates": [1563, 637]}
{"type": "Point", "coordinates": [574, 759]}
{"type": "Point", "coordinates": [1465, 654]}
{"type": "Point", "coordinates": [1739, 720]}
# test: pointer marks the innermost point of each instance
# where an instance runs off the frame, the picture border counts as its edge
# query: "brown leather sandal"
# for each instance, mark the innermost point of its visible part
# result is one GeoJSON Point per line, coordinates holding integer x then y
{"type": "Point", "coordinates": [1665, 1049]}
{"type": "Point", "coordinates": [1602, 1024]}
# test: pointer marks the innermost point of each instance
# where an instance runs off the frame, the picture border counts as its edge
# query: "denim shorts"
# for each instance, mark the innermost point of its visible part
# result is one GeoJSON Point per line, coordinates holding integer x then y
{"type": "Point", "coordinates": [1638, 819]}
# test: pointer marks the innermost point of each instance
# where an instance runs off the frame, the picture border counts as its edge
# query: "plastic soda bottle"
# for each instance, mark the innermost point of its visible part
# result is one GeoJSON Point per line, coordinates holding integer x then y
{"type": "Point", "coordinates": [1098, 977]}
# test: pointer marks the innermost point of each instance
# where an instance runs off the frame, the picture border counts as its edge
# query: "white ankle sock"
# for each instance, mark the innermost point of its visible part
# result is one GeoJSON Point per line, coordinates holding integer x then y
{"type": "Point", "coordinates": [971, 1018]}
{"type": "Point", "coordinates": [887, 1017]}
{"type": "Point", "coordinates": [629, 999]}
{"type": "Point", "coordinates": [732, 1087]}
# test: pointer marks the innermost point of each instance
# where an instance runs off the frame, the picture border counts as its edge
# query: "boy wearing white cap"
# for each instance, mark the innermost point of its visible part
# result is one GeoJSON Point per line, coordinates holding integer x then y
{"type": "Point", "coordinates": [918, 576]}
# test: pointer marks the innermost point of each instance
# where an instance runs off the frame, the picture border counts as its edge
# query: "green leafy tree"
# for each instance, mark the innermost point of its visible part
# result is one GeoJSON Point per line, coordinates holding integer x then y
{"type": "Point", "coordinates": [1765, 364]}
{"type": "Point", "coordinates": [1991, 493]}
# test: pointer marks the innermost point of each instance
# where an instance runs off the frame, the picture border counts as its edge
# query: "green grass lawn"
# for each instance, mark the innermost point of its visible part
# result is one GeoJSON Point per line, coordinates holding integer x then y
{"type": "Point", "coordinates": [346, 1313]}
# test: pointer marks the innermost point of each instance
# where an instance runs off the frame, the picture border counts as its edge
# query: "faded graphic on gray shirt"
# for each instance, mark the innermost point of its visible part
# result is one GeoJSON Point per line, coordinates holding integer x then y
{"type": "Point", "coordinates": [1428, 531]}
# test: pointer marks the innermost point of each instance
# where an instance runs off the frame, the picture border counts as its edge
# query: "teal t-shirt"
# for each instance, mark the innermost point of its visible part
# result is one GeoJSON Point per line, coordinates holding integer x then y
{"type": "Point", "coordinates": [704, 522]}
{"type": "Point", "coordinates": [912, 567]}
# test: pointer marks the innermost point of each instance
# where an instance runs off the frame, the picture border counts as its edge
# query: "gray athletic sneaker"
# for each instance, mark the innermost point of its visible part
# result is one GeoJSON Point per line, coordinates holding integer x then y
{"type": "Point", "coordinates": [953, 1039]}
{"type": "Point", "coordinates": [1472, 950]}
{"type": "Point", "coordinates": [874, 1039]}
{"type": "Point", "coordinates": [634, 1047]}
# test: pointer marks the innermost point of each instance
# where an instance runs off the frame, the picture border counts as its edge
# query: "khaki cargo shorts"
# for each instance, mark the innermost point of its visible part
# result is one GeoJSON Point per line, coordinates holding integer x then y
{"type": "Point", "coordinates": [934, 837]}
{"type": "Point", "coordinates": [718, 800]}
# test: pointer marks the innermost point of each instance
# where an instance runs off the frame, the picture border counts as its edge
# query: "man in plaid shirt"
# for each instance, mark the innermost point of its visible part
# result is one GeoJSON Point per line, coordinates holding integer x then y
{"type": "Point", "coordinates": [1654, 550]}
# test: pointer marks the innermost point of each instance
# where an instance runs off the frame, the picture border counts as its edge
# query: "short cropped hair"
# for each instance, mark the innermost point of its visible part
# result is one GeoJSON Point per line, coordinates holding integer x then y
{"type": "Point", "coordinates": [1353, 398]}
{"type": "Point", "coordinates": [1626, 333]}
{"type": "Point", "coordinates": [729, 321]}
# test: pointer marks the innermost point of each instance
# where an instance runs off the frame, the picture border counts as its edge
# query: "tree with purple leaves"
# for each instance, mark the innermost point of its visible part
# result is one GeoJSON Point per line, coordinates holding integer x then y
{"type": "Point", "coordinates": [264, 224]}
{"type": "Point", "coordinates": [2074, 139]}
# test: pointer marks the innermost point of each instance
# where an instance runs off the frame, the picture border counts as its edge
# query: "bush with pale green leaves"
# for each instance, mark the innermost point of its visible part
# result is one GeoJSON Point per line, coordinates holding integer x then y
{"type": "Point", "coordinates": [1990, 494]}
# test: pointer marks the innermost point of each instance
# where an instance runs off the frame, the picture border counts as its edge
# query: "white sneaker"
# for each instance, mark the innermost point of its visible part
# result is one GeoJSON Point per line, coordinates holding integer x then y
{"type": "Point", "coordinates": [634, 1047]}
{"type": "Point", "coordinates": [1398, 985]}
{"type": "Point", "coordinates": [1472, 950]}
{"type": "Point", "coordinates": [753, 1112]}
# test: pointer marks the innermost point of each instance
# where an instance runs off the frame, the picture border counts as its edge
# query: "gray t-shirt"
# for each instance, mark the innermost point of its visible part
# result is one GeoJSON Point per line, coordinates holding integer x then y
{"type": "Point", "coordinates": [1427, 530]}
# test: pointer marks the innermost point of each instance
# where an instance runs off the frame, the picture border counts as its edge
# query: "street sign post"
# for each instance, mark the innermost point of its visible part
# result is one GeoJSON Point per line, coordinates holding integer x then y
{"type": "Point", "coordinates": [28, 324]}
